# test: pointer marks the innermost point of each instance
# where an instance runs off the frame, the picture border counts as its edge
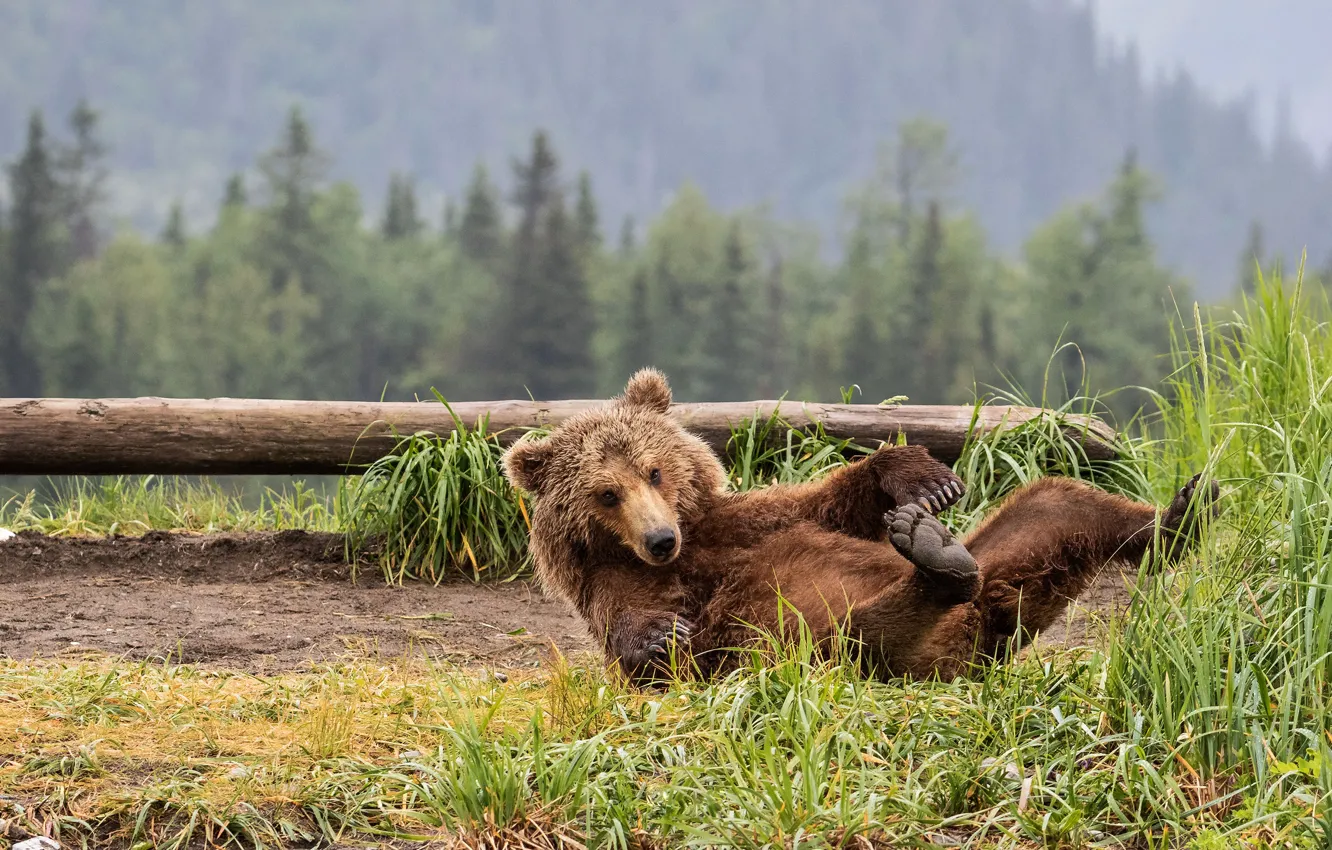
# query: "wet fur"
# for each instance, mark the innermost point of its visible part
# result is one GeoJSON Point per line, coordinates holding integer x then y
{"type": "Point", "coordinates": [822, 545]}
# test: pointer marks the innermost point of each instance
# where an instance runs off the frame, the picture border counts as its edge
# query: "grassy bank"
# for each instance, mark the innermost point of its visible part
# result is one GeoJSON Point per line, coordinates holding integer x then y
{"type": "Point", "coordinates": [1202, 721]}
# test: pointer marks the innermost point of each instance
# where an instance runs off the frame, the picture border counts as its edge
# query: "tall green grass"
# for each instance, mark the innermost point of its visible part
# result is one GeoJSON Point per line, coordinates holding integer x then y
{"type": "Point", "coordinates": [1229, 658]}
{"type": "Point", "coordinates": [440, 506]}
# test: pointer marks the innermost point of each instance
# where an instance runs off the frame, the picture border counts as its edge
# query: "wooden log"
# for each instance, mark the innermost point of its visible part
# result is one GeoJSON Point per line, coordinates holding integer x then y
{"type": "Point", "coordinates": [60, 436]}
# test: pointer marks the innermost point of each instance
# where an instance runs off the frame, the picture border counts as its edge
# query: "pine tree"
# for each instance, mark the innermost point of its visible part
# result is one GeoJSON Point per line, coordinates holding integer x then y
{"type": "Point", "coordinates": [522, 317]}
{"type": "Point", "coordinates": [450, 219]}
{"type": "Point", "coordinates": [1252, 259]}
{"type": "Point", "coordinates": [235, 195]}
{"type": "Point", "coordinates": [636, 341]}
{"type": "Point", "coordinates": [559, 342]}
{"type": "Point", "coordinates": [925, 362]}
{"type": "Point", "coordinates": [628, 240]}
{"type": "Point", "coordinates": [726, 363]}
{"type": "Point", "coordinates": [1131, 191]}
{"type": "Point", "coordinates": [864, 351]}
{"type": "Point", "coordinates": [773, 362]}
{"type": "Point", "coordinates": [298, 257]}
{"type": "Point", "coordinates": [81, 172]}
{"type": "Point", "coordinates": [546, 324]}
{"type": "Point", "coordinates": [586, 219]}
{"type": "Point", "coordinates": [293, 171]}
{"type": "Point", "coordinates": [400, 218]}
{"type": "Point", "coordinates": [173, 233]}
{"type": "Point", "coordinates": [481, 233]}
{"type": "Point", "coordinates": [34, 257]}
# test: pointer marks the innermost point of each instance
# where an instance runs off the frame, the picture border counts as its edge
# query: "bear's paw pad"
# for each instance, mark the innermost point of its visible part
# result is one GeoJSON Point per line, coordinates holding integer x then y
{"type": "Point", "coordinates": [925, 542]}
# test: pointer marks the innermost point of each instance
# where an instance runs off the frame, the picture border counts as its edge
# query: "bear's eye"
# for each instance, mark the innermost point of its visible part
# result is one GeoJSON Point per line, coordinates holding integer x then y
{"type": "Point", "coordinates": [608, 498]}
{"type": "Point", "coordinates": [654, 477]}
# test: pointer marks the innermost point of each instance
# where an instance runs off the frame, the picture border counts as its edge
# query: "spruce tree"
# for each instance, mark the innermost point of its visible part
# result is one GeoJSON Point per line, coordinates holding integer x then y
{"type": "Point", "coordinates": [450, 219]}
{"type": "Point", "coordinates": [586, 219]}
{"type": "Point", "coordinates": [636, 340]}
{"type": "Point", "coordinates": [1252, 259]}
{"type": "Point", "coordinates": [81, 172]}
{"type": "Point", "coordinates": [235, 195]}
{"type": "Point", "coordinates": [772, 369]}
{"type": "Point", "coordinates": [481, 232]}
{"type": "Point", "coordinates": [726, 363]}
{"type": "Point", "coordinates": [400, 218]}
{"type": "Point", "coordinates": [298, 260]}
{"type": "Point", "coordinates": [865, 360]}
{"type": "Point", "coordinates": [173, 232]}
{"type": "Point", "coordinates": [523, 314]}
{"type": "Point", "coordinates": [924, 361]}
{"type": "Point", "coordinates": [293, 171]}
{"type": "Point", "coordinates": [34, 257]}
{"type": "Point", "coordinates": [558, 343]}
{"type": "Point", "coordinates": [628, 241]}
{"type": "Point", "coordinates": [546, 326]}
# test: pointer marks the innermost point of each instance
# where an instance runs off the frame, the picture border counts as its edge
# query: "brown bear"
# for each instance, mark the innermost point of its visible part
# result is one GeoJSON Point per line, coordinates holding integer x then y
{"type": "Point", "coordinates": [635, 527]}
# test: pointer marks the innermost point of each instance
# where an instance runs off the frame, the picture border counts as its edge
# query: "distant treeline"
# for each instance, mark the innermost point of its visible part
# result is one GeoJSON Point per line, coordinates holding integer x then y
{"type": "Point", "coordinates": [782, 102]}
{"type": "Point", "coordinates": [295, 291]}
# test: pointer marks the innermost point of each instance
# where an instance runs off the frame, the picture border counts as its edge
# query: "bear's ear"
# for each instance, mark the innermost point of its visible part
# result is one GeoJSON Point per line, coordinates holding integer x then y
{"type": "Point", "coordinates": [525, 464]}
{"type": "Point", "coordinates": [647, 388]}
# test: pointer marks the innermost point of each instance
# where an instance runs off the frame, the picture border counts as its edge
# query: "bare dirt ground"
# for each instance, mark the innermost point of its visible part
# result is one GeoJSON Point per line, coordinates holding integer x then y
{"type": "Point", "coordinates": [279, 601]}
{"type": "Point", "coordinates": [261, 602]}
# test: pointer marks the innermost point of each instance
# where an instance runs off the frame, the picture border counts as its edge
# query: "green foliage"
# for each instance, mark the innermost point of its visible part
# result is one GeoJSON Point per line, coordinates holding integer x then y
{"type": "Point", "coordinates": [1096, 283]}
{"type": "Point", "coordinates": [648, 97]}
{"type": "Point", "coordinates": [293, 295]}
{"type": "Point", "coordinates": [1229, 656]}
{"type": "Point", "coordinates": [33, 256]}
{"type": "Point", "coordinates": [440, 505]}
{"type": "Point", "coordinates": [400, 218]}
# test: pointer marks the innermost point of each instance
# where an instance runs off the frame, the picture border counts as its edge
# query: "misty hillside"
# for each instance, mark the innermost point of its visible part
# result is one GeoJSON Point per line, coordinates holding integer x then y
{"type": "Point", "coordinates": [1237, 47]}
{"type": "Point", "coordinates": [781, 102]}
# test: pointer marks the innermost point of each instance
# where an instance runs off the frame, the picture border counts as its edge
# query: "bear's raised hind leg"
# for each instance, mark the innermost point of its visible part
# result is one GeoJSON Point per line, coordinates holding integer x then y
{"type": "Point", "coordinates": [942, 562]}
{"type": "Point", "coordinates": [1049, 540]}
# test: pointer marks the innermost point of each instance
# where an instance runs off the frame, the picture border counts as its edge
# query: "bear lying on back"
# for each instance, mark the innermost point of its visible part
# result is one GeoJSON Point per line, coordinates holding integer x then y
{"type": "Point", "coordinates": [634, 527]}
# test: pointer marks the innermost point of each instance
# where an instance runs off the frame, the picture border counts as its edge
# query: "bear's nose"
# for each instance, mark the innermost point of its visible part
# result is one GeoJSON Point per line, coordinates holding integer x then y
{"type": "Point", "coordinates": [661, 543]}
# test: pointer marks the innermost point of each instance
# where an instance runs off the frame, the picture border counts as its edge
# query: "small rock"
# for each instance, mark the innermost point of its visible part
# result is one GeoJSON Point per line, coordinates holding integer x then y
{"type": "Point", "coordinates": [6, 534]}
{"type": "Point", "coordinates": [38, 843]}
{"type": "Point", "coordinates": [411, 755]}
{"type": "Point", "coordinates": [239, 772]}
{"type": "Point", "coordinates": [1011, 770]}
{"type": "Point", "coordinates": [499, 677]}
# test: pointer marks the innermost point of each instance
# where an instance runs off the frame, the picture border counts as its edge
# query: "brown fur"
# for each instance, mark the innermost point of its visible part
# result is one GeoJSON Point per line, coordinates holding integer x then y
{"type": "Point", "coordinates": [821, 545]}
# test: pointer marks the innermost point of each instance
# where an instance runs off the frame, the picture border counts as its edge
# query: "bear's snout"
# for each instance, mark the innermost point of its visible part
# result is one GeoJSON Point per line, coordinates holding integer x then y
{"type": "Point", "coordinates": [661, 543]}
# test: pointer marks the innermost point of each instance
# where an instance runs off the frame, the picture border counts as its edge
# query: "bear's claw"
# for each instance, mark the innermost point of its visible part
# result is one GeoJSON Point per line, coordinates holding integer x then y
{"type": "Point", "coordinates": [1178, 515]}
{"type": "Point", "coordinates": [662, 633]}
{"type": "Point", "coordinates": [925, 542]}
{"type": "Point", "coordinates": [936, 496]}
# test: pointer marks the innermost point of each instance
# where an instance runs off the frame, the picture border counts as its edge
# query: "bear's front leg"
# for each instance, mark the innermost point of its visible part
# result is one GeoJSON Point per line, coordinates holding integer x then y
{"type": "Point", "coordinates": [856, 499]}
{"type": "Point", "coordinates": [648, 645]}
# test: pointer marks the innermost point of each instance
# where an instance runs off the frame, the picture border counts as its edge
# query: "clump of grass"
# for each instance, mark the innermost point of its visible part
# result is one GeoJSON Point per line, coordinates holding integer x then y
{"type": "Point", "coordinates": [764, 451]}
{"type": "Point", "coordinates": [440, 506]}
{"type": "Point", "coordinates": [995, 463]}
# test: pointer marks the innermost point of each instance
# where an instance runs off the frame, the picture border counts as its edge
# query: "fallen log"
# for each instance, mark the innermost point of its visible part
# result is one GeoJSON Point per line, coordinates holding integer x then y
{"type": "Point", "coordinates": [61, 436]}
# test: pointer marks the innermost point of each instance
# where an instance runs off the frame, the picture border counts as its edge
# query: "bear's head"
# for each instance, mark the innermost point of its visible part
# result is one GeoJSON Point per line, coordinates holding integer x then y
{"type": "Point", "coordinates": [626, 470]}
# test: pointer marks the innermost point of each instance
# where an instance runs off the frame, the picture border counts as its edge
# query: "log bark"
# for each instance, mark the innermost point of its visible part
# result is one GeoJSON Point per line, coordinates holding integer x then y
{"type": "Point", "coordinates": [59, 436]}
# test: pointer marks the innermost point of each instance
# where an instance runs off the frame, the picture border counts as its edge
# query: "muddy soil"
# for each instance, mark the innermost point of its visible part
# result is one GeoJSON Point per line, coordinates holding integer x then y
{"type": "Point", "coordinates": [261, 602]}
{"type": "Point", "coordinates": [279, 601]}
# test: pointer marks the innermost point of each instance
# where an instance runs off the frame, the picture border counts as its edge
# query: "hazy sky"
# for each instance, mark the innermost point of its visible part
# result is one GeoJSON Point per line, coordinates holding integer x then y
{"type": "Point", "coordinates": [1268, 46]}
